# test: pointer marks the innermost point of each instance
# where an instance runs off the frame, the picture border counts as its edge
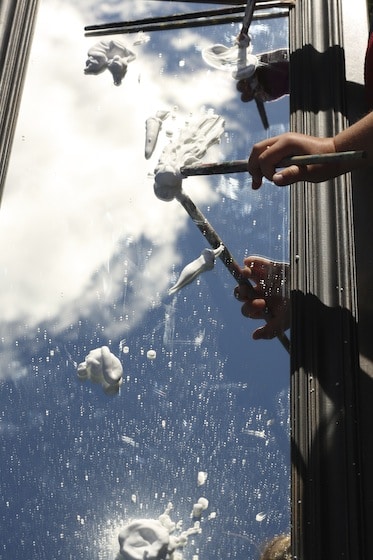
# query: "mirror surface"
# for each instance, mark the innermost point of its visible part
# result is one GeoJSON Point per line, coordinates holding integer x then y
{"type": "Point", "coordinates": [88, 254]}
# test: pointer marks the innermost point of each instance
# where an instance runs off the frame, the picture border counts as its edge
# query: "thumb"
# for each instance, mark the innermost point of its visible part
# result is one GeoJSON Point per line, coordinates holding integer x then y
{"type": "Point", "coordinates": [288, 176]}
{"type": "Point", "coordinates": [264, 333]}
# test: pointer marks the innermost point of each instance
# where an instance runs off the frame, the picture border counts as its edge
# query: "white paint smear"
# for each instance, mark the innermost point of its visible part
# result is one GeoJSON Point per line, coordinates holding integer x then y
{"type": "Point", "coordinates": [238, 59]}
{"type": "Point", "coordinates": [191, 146]}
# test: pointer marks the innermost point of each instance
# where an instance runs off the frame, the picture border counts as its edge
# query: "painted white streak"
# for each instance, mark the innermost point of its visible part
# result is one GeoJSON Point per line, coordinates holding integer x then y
{"type": "Point", "coordinates": [153, 126]}
{"type": "Point", "coordinates": [206, 261]}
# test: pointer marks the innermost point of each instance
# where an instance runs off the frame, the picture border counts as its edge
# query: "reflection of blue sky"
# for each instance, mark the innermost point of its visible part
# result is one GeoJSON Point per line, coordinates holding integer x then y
{"type": "Point", "coordinates": [87, 256]}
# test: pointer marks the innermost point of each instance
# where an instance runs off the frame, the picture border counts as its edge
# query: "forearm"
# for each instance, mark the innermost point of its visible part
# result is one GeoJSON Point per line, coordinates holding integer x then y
{"type": "Point", "coordinates": [358, 136]}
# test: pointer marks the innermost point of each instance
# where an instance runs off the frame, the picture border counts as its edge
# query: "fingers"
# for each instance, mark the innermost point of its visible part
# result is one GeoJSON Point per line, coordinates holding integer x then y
{"type": "Point", "coordinates": [267, 155]}
{"type": "Point", "coordinates": [255, 309]}
{"type": "Point", "coordinates": [273, 326]}
{"type": "Point", "coordinates": [266, 332]}
{"type": "Point", "coordinates": [244, 87]}
{"type": "Point", "coordinates": [269, 301]}
{"type": "Point", "coordinates": [263, 159]}
{"type": "Point", "coordinates": [289, 175]}
{"type": "Point", "coordinates": [262, 272]}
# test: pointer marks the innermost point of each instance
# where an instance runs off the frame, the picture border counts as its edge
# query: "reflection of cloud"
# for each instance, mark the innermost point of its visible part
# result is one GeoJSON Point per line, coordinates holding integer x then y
{"type": "Point", "coordinates": [229, 187]}
{"type": "Point", "coordinates": [10, 367]}
{"type": "Point", "coordinates": [78, 183]}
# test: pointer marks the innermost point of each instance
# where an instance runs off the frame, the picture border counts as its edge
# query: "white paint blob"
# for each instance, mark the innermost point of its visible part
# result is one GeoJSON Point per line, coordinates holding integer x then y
{"type": "Point", "coordinates": [144, 538]}
{"type": "Point", "coordinates": [201, 505]}
{"type": "Point", "coordinates": [206, 261]}
{"type": "Point", "coordinates": [101, 366]}
{"type": "Point", "coordinates": [151, 354]}
{"type": "Point", "coordinates": [109, 55]}
{"type": "Point", "coordinates": [154, 539]}
{"type": "Point", "coordinates": [260, 516]}
{"type": "Point", "coordinates": [201, 478]}
{"type": "Point", "coordinates": [168, 182]}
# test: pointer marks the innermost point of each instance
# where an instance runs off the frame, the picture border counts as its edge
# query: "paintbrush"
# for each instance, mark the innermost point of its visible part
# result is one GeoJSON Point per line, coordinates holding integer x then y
{"type": "Point", "coordinates": [182, 20]}
{"type": "Point", "coordinates": [240, 166]}
{"type": "Point", "coordinates": [167, 187]}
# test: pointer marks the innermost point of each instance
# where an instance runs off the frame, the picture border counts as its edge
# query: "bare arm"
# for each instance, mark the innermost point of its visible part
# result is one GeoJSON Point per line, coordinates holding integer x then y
{"type": "Point", "coordinates": [266, 154]}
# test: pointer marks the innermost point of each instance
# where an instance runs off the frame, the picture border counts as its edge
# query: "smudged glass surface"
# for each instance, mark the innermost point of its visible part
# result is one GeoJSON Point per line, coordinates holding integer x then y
{"type": "Point", "coordinates": [88, 254]}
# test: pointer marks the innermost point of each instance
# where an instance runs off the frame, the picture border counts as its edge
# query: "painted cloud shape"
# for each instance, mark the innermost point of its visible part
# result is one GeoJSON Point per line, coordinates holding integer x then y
{"type": "Point", "coordinates": [101, 366]}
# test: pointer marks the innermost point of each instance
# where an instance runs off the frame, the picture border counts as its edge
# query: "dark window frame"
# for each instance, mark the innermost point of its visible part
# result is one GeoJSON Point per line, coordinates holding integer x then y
{"type": "Point", "coordinates": [17, 20]}
{"type": "Point", "coordinates": [329, 503]}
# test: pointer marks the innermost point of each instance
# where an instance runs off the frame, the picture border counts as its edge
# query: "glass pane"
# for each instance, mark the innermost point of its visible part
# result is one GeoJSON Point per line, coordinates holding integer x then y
{"type": "Point", "coordinates": [88, 254]}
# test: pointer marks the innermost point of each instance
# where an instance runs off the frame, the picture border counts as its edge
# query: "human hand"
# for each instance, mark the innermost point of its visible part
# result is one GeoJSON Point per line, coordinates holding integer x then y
{"type": "Point", "coordinates": [267, 154]}
{"type": "Point", "coordinates": [272, 301]}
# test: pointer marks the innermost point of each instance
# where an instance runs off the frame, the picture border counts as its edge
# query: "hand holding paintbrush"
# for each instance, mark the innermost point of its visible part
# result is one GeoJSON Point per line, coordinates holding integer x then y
{"type": "Point", "coordinates": [240, 166]}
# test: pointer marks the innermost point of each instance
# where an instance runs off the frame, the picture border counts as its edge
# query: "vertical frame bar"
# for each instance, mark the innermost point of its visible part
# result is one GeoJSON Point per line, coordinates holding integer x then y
{"type": "Point", "coordinates": [326, 493]}
{"type": "Point", "coordinates": [17, 18]}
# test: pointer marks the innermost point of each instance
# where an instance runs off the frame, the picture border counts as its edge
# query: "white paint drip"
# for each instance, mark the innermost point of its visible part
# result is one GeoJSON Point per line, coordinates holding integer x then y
{"type": "Point", "coordinates": [153, 126]}
{"type": "Point", "coordinates": [206, 261]}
